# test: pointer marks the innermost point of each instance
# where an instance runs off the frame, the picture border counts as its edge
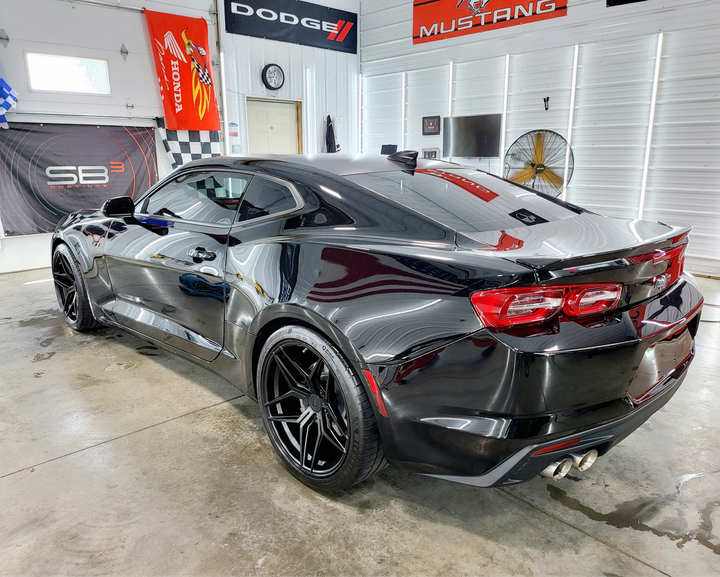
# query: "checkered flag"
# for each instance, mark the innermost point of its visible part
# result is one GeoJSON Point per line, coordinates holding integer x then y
{"type": "Point", "coordinates": [186, 145]}
{"type": "Point", "coordinates": [7, 101]}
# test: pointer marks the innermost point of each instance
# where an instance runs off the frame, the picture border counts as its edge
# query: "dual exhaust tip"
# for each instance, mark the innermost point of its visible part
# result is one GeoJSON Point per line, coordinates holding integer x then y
{"type": "Point", "coordinates": [579, 461]}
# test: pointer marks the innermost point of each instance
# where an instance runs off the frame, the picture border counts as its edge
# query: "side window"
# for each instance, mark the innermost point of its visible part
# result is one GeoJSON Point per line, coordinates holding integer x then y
{"type": "Point", "coordinates": [264, 197]}
{"type": "Point", "coordinates": [200, 196]}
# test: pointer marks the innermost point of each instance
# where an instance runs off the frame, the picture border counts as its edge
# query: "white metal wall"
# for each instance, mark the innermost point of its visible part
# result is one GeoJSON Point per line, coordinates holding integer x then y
{"type": "Point", "coordinates": [616, 63]}
{"type": "Point", "coordinates": [684, 173]}
{"type": "Point", "coordinates": [326, 82]}
{"type": "Point", "coordinates": [382, 111]}
{"type": "Point", "coordinates": [612, 107]}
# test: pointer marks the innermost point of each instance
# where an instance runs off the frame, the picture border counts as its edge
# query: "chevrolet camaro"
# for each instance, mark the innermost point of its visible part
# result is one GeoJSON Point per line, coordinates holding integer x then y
{"type": "Point", "coordinates": [392, 309]}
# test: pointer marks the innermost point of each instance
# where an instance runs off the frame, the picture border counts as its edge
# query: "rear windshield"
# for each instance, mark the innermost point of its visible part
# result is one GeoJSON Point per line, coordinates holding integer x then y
{"type": "Point", "coordinates": [465, 199]}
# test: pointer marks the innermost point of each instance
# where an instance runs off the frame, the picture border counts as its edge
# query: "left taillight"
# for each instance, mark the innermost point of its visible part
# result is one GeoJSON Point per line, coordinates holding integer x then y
{"type": "Point", "coordinates": [506, 308]}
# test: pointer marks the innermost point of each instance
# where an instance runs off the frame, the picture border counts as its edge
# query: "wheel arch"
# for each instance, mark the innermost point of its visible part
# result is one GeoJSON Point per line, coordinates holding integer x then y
{"type": "Point", "coordinates": [273, 318]}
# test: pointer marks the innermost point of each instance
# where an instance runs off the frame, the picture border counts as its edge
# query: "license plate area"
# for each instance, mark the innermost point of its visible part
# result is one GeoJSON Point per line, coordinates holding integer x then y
{"type": "Point", "coordinates": [661, 365]}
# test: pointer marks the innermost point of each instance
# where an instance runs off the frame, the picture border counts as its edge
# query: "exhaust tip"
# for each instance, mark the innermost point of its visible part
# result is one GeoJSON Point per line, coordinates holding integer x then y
{"type": "Point", "coordinates": [558, 469]}
{"type": "Point", "coordinates": [583, 461]}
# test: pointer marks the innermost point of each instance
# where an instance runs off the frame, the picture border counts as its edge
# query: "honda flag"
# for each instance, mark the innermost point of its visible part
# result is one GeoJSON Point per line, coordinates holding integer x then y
{"type": "Point", "coordinates": [182, 63]}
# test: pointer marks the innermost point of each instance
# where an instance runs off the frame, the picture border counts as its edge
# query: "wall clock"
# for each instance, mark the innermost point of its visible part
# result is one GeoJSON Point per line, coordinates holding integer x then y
{"type": "Point", "coordinates": [273, 77]}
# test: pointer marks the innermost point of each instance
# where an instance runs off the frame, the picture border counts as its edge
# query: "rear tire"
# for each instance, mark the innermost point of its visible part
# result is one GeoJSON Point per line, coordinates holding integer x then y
{"type": "Point", "coordinates": [70, 290]}
{"type": "Point", "coordinates": [316, 411]}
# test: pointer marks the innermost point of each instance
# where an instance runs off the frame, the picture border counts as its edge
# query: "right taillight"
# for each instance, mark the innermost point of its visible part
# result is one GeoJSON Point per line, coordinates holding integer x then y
{"type": "Point", "coordinates": [591, 300]}
{"type": "Point", "coordinates": [506, 308]}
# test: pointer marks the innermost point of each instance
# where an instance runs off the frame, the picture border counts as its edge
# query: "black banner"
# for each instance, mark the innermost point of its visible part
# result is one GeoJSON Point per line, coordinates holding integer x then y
{"type": "Point", "coordinates": [293, 21]}
{"type": "Point", "coordinates": [48, 171]}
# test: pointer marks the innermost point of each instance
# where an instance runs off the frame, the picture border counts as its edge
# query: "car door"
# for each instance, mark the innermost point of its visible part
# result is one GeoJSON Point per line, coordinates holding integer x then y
{"type": "Point", "coordinates": [262, 265]}
{"type": "Point", "coordinates": [167, 266]}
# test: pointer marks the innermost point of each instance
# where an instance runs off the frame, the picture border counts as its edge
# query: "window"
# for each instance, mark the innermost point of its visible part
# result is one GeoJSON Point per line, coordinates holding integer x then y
{"type": "Point", "coordinates": [51, 73]}
{"type": "Point", "coordinates": [465, 199]}
{"type": "Point", "coordinates": [265, 197]}
{"type": "Point", "coordinates": [200, 196]}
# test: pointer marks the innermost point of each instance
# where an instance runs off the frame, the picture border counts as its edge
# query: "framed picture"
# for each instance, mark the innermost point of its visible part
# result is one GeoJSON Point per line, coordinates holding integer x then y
{"type": "Point", "coordinates": [430, 125]}
{"type": "Point", "coordinates": [431, 153]}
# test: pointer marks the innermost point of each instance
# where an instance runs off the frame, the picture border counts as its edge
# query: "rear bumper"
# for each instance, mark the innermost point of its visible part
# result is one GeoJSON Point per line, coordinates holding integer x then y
{"type": "Point", "coordinates": [475, 411]}
{"type": "Point", "coordinates": [525, 465]}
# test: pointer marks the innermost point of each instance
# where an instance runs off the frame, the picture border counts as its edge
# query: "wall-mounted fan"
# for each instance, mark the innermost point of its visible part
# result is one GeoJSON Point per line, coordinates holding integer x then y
{"type": "Point", "coordinates": [537, 159]}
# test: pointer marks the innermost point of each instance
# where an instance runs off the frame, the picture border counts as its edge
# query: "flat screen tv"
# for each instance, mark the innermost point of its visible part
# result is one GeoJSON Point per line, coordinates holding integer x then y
{"type": "Point", "coordinates": [472, 136]}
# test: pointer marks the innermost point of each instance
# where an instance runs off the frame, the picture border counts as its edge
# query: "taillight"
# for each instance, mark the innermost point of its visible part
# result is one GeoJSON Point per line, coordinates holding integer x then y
{"type": "Point", "coordinates": [594, 300]}
{"type": "Point", "coordinates": [508, 307]}
{"type": "Point", "coordinates": [505, 308]}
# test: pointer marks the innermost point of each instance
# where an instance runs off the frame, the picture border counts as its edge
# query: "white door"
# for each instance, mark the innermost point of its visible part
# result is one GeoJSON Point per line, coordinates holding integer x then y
{"type": "Point", "coordinates": [272, 127]}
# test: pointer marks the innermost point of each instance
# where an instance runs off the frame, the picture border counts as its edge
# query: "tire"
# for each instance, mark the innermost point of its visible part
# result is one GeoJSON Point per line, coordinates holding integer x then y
{"type": "Point", "coordinates": [316, 411]}
{"type": "Point", "coordinates": [70, 290]}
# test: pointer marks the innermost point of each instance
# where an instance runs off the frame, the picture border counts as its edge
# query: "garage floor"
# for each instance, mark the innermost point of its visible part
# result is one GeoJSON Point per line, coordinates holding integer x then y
{"type": "Point", "coordinates": [119, 458]}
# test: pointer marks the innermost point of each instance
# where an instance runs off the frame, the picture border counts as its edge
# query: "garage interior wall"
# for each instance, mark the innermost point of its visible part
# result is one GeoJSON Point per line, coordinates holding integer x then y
{"type": "Point", "coordinates": [325, 81]}
{"type": "Point", "coordinates": [90, 31]}
{"type": "Point", "coordinates": [617, 49]}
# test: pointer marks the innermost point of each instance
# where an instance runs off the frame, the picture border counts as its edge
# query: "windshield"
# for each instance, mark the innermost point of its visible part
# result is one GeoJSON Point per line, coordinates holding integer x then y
{"type": "Point", "coordinates": [465, 199]}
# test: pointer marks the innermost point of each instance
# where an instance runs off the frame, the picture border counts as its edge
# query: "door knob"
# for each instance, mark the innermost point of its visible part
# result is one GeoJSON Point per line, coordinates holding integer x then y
{"type": "Point", "coordinates": [199, 254]}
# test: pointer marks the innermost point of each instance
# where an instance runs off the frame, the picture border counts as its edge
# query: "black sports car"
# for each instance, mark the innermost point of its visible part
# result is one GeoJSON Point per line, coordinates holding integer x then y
{"type": "Point", "coordinates": [393, 309]}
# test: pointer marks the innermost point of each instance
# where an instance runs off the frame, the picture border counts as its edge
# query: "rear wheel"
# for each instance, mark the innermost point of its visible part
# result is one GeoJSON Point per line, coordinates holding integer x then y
{"type": "Point", "coordinates": [316, 411]}
{"type": "Point", "coordinates": [70, 290]}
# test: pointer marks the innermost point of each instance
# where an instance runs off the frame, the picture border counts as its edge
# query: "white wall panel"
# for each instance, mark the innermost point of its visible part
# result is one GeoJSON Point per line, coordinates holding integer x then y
{"type": "Point", "coordinates": [533, 77]}
{"type": "Point", "coordinates": [478, 87]}
{"type": "Point", "coordinates": [426, 95]}
{"type": "Point", "coordinates": [381, 111]}
{"type": "Point", "coordinates": [684, 176]}
{"type": "Point", "coordinates": [612, 109]}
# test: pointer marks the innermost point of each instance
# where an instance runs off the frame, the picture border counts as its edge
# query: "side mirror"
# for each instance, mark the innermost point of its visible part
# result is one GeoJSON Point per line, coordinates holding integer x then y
{"type": "Point", "coordinates": [119, 207]}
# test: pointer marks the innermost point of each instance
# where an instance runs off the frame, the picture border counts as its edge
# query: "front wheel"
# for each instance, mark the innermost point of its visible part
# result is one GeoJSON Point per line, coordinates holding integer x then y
{"type": "Point", "coordinates": [70, 290]}
{"type": "Point", "coordinates": [316, 411]}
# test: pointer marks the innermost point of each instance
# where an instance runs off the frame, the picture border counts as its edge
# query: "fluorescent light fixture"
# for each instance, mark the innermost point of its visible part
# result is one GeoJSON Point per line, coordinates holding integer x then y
{"type": "Point", "coordinates": [53, 73]}
{"type": "Point", "coordinates": [651, 121]}
{"type": "Point", "coordinates": [360, 104]}
{"type": "Point", "coordinates": [571, 117]}
{"type": "Point", "coordinates": [504, 115]}
{"type": "Point", "coordinates": [226, 125]}
{"type": "Point", "coordinates": [402, 114]}
{"type": "Point", "coordinates": [450, 90]}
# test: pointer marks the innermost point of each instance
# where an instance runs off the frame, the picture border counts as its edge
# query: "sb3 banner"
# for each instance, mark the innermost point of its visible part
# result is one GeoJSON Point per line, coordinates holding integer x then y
{"type": "Point", "coordinates": [50, 170]}
{"type": "Point", "coordinates": [184, 71]}
{"type": "Point", "coordinates": [440, 19]}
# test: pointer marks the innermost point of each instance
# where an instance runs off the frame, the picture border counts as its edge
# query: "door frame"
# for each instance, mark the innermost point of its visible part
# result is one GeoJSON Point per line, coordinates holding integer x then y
{"type": "Point", "coordinates": [298, 110]}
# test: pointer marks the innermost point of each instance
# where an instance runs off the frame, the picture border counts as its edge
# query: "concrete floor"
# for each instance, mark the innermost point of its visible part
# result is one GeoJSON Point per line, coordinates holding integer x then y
{"type": "Point", "coordinates": [119, 458]}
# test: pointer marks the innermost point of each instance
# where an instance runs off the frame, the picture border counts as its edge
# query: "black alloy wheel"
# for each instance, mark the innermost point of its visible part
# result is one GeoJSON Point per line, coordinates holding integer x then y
{"type": "Point", "coordinates": [316, 411]}
{"type": "Point", "coordinates": [70, 290]}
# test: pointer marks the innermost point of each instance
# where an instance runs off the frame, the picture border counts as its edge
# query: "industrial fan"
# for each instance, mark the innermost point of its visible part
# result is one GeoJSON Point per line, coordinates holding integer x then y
{"type": "Point", "coordinates": [540, 159]}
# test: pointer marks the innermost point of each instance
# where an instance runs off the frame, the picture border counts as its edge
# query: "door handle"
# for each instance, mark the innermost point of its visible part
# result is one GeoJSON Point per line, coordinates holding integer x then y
{"type": "Point", "coordinates": [199, 254]}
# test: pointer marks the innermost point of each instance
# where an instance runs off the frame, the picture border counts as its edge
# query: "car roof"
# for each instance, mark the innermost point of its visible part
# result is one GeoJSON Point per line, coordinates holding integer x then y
{"type": "Point", "coordinates": [342, 164]}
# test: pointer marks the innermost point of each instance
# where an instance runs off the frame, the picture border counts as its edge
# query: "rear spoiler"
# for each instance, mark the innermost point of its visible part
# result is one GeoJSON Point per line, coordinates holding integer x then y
{"type": "Point", "coordinates": [609, 260]}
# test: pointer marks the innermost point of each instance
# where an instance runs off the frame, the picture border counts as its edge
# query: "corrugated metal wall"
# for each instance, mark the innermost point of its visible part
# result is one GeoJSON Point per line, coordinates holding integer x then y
{"type": "Point", "coordinates": [684, 176]}
{"type": "Point", "coordinates": [612, 109]}
{"type": "Point", "coordinates": [617, 50]}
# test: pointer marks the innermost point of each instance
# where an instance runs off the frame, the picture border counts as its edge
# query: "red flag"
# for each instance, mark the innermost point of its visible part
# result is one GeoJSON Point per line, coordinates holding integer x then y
{"type": "Point", "coordinates": [182, 63]}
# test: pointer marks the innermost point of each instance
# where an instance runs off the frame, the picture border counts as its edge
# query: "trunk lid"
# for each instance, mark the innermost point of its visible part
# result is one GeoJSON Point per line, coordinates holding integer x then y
{"type": "Point", "coordinates": [646, 257]}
